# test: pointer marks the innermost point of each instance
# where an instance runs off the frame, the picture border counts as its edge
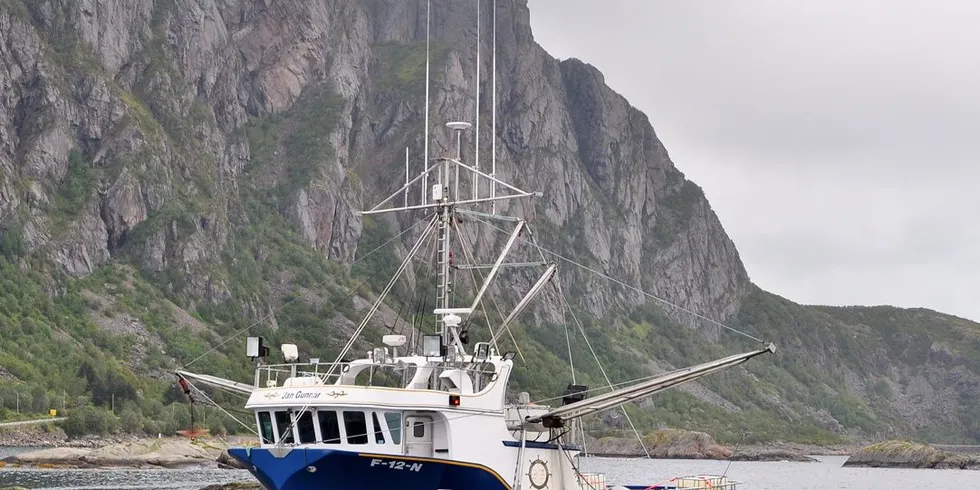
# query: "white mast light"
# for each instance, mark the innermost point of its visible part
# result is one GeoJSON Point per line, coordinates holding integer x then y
{"type": "Point", "coordinates": [394, 340]}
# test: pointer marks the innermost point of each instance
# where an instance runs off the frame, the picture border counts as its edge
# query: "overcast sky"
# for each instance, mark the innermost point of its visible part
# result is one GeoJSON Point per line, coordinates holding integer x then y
{"type": "Point", "coordinates": [837, 140]}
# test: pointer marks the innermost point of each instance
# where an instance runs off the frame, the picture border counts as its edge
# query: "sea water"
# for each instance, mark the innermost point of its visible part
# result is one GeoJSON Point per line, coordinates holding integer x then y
{"type": "Point", "coordinates": [825, 474]}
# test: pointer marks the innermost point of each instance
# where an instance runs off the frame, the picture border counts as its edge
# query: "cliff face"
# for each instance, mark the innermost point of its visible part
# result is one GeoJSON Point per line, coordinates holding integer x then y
{"type": "Point", "coordinates": [151, 98]}
{"type": "Point", "coordinates": [205, 147]}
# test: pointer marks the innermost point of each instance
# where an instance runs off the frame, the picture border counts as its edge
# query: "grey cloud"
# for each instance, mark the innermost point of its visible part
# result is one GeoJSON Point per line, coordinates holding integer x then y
{"type": "Point", "coordinates": [837, 140]}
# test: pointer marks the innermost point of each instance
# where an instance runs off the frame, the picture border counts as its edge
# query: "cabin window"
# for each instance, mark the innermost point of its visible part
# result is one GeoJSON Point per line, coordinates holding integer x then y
{"type": "Point", "coordinates": [307, 433]}
{"type": "Point", "coordinates": [283, 426]}
{"type": "Point", "coordinates": [265, 427]}
{"type": "Point", "coordinates": [418, 430]}
{"type": "Point", "coordinates": [394, 420]}
{"type": "Point", "coordinates": [356, 426]}
{"type": "Point", "coordinates": [329, 427]}
{"type": "Point", "coordinates": [379, 435]}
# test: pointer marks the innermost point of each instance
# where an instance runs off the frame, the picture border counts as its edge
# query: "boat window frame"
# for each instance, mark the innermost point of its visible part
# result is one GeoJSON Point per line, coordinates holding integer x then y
{"type": "Point", "coordinates": [379, 429]}
{"type": "Point", "coordinates": [298, 429]}
{"type": "Point", "coordinates": [321, 437]}
{"type": "Point", "coordinates": [365, 434]}
{"type": "Point", "coordinates": [271, 426]}
{"type": "Point", "coordinates": [395, 432]}
{"type": "Point", "coordinates": [280, 438]}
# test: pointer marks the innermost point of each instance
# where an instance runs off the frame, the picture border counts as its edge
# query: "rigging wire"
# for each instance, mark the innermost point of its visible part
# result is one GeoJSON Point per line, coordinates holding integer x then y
{"type": "Point", "coordinates": [286, 303]}
{"type": "Point", "coordinates": [633, 288]}
{"type": "Point", "coordinates": [401, 268]}
{"type": "Point", "coordinates": [219, 407]}
{"type": "Point", "coordinates": [473, 273]}
{"type": "Point", "coordinates": [384, 293]}
{"type": "Point", "coordinates": [568, 344]}
{"type": "Point", "coordinates": [415, 290]}
{"type": "Point", "coordinates": [581, 329]}
{"type": "Point", "coordinates": [602, 369]}
{"type": "Point", "coordinates": [406, 302]}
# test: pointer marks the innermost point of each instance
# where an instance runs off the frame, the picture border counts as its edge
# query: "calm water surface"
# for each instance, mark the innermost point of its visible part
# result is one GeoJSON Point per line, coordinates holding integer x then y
{"type": "Point", "coordinates": [827, 474]}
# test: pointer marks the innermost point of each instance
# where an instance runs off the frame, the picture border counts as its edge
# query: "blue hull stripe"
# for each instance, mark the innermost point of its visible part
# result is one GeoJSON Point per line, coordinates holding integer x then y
{"type": "Point", "coordinates": [328, 469]}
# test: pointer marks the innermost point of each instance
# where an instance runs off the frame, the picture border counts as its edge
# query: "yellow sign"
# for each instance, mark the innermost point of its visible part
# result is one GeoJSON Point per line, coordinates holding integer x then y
{"type": "Point", "coordinates": [53, 412]}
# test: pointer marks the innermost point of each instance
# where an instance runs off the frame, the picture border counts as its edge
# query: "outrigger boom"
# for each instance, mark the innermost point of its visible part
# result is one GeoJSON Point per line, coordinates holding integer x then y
{"type": "Point", "coordinates": [557, 418]}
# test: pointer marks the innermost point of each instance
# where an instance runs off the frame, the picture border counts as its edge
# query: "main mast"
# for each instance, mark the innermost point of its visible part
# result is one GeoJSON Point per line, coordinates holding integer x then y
{"type": "Point", "coordinates": [444, 199]}
{"type": "Point", "coordinates": [446, 202]}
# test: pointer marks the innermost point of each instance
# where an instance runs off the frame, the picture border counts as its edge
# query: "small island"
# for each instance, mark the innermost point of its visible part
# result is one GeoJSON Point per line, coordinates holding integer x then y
{"type": "Point", "coordinates": [907, 454]}
{"type": "Point", "coordinates": [686, 444]}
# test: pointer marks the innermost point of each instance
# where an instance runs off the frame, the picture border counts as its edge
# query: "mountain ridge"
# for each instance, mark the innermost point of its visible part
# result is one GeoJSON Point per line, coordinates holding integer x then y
{"type": "Point", "coordinates": [174, 171]}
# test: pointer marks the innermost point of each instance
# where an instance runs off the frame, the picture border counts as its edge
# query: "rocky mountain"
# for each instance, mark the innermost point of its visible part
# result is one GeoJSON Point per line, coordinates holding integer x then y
{"type": "Point", "coordinates": [173, 172]}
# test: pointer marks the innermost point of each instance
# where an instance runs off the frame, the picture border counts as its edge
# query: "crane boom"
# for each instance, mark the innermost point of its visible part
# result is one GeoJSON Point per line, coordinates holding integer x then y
{"type": "Point", "coordinates": [615, 398]}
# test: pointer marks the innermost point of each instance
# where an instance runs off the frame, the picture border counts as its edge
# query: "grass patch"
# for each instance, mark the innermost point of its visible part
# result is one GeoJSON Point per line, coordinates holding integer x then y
{"type": "Point", "coordinates": [401, 67]}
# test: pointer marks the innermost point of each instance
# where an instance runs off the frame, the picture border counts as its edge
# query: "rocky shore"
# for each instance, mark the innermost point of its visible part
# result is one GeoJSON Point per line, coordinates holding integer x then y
{"type": "Point", "coordinates": [175, 452]}
{"type": "Point", "coordinates": [231, 486]}
{"type": "Point", "coordinates": [905, 454]}
{"type": "Point", "coordinates": [169, 452]}
{"type": "Point", "coordinates": [54, 436]}
{"type": "Point", "coordinates": [682, 444]}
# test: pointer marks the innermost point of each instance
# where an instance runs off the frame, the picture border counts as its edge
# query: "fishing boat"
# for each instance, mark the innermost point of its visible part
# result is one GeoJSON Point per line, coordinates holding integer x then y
{"type": "Point", "coordinates": [429, 411]}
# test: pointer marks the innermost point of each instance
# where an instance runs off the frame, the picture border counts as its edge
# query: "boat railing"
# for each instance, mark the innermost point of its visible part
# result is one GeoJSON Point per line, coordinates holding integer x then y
{"type": "Point", "coordinates": [386, 374]}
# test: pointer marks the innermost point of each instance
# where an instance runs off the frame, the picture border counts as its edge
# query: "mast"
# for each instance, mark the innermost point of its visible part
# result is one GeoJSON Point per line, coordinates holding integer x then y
{"type": "Point", "coordinates": [446, 202]}
{"type": "Point", "coordinates": [444, 197]}
{"type": "Point", "coordinates": [493, 118]}
{"type": "Point", "coordinates": [425, 155]}
{"type": "Point", "coordinates": [476, 143]}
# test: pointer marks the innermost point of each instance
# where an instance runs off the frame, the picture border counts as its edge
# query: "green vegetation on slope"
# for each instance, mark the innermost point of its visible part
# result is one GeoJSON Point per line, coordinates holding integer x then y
{"type": "Point", "coordinates": [102, 348]}
{"type": "Point", "coordinates": [53, 356]}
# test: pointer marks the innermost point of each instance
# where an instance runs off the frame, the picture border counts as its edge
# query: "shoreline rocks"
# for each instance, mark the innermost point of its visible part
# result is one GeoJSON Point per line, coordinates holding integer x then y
{"type": "Point", "coordinates": [140, 453]}
{"type": "Point", "coordinates": [234, 486]}
{"type": "Point", "coordinates": [46, 436]}
{"type": "Point", "coordinates": [906, 454]}
{"type": "Point", "coordinates": [683, 444]}
{"type": "Point", "coordinates": [176, 452]}
{"type": "Point", "coordinates": [771, 455]}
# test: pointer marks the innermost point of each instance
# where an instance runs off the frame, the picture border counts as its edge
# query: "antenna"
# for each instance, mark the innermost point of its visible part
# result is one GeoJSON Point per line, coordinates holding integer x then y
{"type": "Point", "coordinates": [476, 144]}
{"type": "Point", "coordinates": [458, 127]}
{"type": "Point", "coordinates": [406, 177]}
{"type": "Point", "coordinates": [493, 121]}
{"type": "Point", "coordinates": [425, 157]}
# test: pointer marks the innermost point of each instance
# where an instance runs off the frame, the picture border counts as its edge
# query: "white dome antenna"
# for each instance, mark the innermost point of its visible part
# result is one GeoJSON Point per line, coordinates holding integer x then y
{"type": "Point", "coordinates": [452, 320]}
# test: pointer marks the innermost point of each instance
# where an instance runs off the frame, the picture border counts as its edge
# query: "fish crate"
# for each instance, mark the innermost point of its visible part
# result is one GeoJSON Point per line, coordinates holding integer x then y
{"type": "Point", "coordinates": [592, 481]}
{"type": "Point", "coordinates": [704, 482]}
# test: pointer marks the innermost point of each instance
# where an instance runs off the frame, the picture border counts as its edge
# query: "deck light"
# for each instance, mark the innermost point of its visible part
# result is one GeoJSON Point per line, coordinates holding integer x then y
{"type": "Point", "coordinates": [255, 347]}
{"type": "Point", "coordinates": [482, 351]}
{"type": "Point", "coordinates": [432, 345]}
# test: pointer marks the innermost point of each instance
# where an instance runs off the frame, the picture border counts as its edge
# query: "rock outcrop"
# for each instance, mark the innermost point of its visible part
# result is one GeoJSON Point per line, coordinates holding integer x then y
{"type": "Point", "coordinates": [235, 486]}
{"type": "Point", "coordinates": [666, 443]}
{"type": "Point", "coordinates": [164, 453]}
{"type": "Point", "coordinates": [905, 454]}
{"type": "Point", "coordinates": [140, 121]}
